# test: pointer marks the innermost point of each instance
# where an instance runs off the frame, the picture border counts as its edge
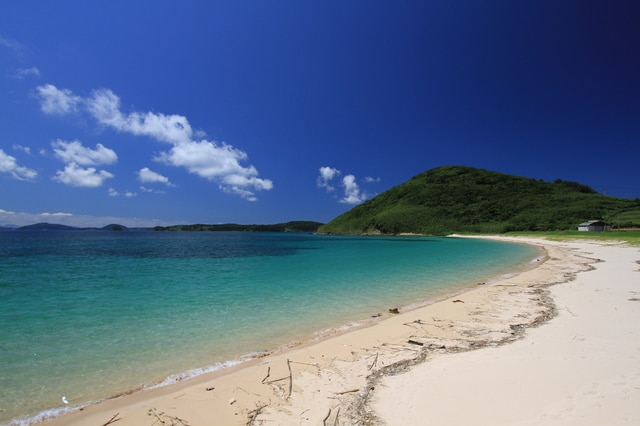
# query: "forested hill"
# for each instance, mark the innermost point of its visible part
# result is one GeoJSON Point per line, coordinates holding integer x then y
{"type": "Point", "coordinates": [464, 199]}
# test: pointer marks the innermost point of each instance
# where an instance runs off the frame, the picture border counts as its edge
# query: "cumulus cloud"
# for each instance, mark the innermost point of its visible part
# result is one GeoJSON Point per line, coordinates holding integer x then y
{"type": "Point", "coordinates": [104, 106]}
{"type": "Point", "coordinates": [352, 192]}
{"type": "Point", "coordinates": [75, 175]}
{"type": "Point", "coordinates": [217, 162]}
{"type": "Point", "coordinates": [8, 164]}
{"type": "Point", "coordinates": [75, 152]}
{"type": "Point", "coordinates": [325, 176]}
{"type": "Point", "coordinates": [146, 175]}
{"type": "Point", "coordinates": [57, 102]}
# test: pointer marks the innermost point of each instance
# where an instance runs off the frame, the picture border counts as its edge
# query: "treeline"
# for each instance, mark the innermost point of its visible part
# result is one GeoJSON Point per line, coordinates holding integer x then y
{"type": "Point", "coordinates": [463, 199]}
{"type": "Point", "coordinates": [293, 226]}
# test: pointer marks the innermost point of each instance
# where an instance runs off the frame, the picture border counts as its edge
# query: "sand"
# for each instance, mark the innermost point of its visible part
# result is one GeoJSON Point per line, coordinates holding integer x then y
{"type": "Point", "coordinates": [556, 344]}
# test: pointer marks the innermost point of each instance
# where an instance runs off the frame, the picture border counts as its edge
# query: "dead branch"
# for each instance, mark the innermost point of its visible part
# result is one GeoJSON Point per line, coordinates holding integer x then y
{"type": "Point", "coordinates": [348, 391]}
{"type": "Point", "coordinates": [253, 414]}
{"type": "Point", "coordinates": [324, 421]}
{"type": "Point", "coordinates": [268, 374]}
{"type": "Point", "coordinates": [290, 378]}
{"type": "Point", "coordinates": [276, 380]}
{"type": "Point", "coordinates": [112, 420]}
{"type": "Point", "coordinates": [153, 413]}
{"type": "Point", "coordinates": [375, 361]}
{"type": "Point", "coordinates": [335, 422]}
{"type": "Point", "coordinates": [313, 364]}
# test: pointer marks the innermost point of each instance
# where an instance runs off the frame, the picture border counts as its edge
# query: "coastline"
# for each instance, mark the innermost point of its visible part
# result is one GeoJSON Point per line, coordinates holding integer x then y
{"type": "Point", "coordinates": [340, 376]}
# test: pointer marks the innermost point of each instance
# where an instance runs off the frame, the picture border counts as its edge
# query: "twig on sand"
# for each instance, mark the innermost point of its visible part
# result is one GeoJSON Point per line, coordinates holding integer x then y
{"type": "Point", "coordinates": [375, 361]}
{"type": "Point", "coordinates": [335, 423]}
{"type": "Point", "coordinates": [253, 414]}
{"type": "Point", "coordinates": [160, 417]}
{"type": "Point", "coordinates": [268, 374]}
{"type": "Point", "coordinates": [324, 421]}
{"type": "Point", "coordinates": [290, 378]}
{"type": "Point", "coordinates": [112, 419]}
{"type": "Point", "coordinates": [348, 391]}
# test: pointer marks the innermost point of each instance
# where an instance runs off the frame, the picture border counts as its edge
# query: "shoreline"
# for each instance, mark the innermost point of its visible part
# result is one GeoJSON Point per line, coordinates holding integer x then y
{"type": "Point", "coordinates": [332, 377]}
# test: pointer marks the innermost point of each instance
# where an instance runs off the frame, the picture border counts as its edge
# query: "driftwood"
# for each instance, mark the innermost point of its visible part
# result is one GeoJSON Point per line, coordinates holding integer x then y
{"type": "Point", "coordinates": [324, 421]}
{"type": "Point", "coordinates": [375, 361]}
{"type": "Point", "coordinates": [162, 417]}
{"type": "Point", "coordinates": [290, 378]}
{"type": "Point", "coordinates": [348, 391]}
{"type": "Point", "coordinates": [415, 342]}
{"type": "Point", "coordinates": [268, 374]}
{"type": "Point", "coordinates": [112, 419]}
{"type": "Point", "coordinates": [253, 414]}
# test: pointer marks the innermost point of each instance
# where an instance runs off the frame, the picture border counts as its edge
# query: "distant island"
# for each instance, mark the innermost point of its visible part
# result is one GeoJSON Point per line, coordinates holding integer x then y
{"type": "Point", "coordinates": [293, 226]}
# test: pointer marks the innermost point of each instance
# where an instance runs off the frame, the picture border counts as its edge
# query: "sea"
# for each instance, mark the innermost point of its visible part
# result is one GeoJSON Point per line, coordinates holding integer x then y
{"type": "Point", "coordinates": [85, 315]}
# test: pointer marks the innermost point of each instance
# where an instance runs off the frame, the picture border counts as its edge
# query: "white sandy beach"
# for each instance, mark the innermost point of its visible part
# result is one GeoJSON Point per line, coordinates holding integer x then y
{"type": "Point", "coordinates": [581, 366]}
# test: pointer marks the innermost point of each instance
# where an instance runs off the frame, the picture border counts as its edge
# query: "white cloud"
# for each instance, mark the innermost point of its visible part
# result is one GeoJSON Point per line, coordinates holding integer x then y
{"type": "Point", "coordinates": [57, 102]}
{"type": "Point", "coordinates": [326, 175]}
{"type": "Point", "coordinates": [75, 152]}
{"type": "Point", "coordinates": [151, 190]}
{"type": "Point", "coordinates": [104, 106]}
{"type": "Point", "coordinates": [21, 73]}
{"type": "Point", "coordinates": [18, 48]}
{"type": "Point", "coordinates": [24, 149]}
{"type": "Point", "coordinates": [370, 179]}
{"type": "Point", "coordinates": [352, 194]}
{"type": "Point", "coordinates": [59, 214]}
{"type": "Point", "coordinates": [75, 175]}
{"type": "Point", "coordinates": [220, 163]}
{"type": "Point", "coordinates": [146, 175]}
{"type": "Point", "coordinates": [9, 165]}
{"type": "Point", "coordinates": [114, 193]}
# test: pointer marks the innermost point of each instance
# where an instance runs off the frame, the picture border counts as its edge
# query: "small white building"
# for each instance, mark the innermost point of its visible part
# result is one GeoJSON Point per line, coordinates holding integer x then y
{"type": "Point", "coordinates": [593, 226]}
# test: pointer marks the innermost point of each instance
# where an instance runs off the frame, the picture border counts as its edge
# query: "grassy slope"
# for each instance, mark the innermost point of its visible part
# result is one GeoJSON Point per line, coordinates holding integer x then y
{"type": "Point", "coordinates": [464, 199]}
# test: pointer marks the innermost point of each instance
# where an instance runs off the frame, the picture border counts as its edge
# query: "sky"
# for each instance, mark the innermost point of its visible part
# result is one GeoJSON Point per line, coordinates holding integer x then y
{"type": "Point", "coordinates": [170, 112]}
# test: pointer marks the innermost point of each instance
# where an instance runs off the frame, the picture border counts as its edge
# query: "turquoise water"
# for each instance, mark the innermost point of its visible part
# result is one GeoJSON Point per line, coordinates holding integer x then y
{"type": "Point", "coordinates": [86, 314]}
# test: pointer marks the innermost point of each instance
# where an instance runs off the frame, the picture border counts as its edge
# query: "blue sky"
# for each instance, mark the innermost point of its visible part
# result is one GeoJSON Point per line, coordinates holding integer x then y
{"type": "Point", "coordinates": [169, 112]}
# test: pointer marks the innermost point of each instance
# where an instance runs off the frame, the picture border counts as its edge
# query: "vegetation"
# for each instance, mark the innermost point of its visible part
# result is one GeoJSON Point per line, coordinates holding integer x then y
{"type": "Point", "coordinates": [631, 237]}
{"type": "Point", "coordinates": [464, 199]}
{"type": "Point", "coordinates": [294, 226]}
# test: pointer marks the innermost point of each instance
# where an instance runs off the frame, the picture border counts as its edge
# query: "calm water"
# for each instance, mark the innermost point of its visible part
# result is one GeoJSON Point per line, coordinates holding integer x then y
{"type": "Point", "coordinates": [86, 314]}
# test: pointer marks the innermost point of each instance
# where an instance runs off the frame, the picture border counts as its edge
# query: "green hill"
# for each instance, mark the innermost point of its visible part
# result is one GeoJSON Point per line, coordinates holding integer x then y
{"type": "Point", "coordinates": [464, 199]}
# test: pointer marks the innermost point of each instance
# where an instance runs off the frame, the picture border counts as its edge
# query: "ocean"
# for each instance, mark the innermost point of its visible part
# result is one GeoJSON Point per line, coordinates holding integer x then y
{"type": "Point", "coordinates": [87, 314]}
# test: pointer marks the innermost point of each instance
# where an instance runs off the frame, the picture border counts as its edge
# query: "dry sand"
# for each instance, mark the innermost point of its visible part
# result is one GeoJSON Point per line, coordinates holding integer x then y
{"type": "Point", "coordinates": [581, 367]}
